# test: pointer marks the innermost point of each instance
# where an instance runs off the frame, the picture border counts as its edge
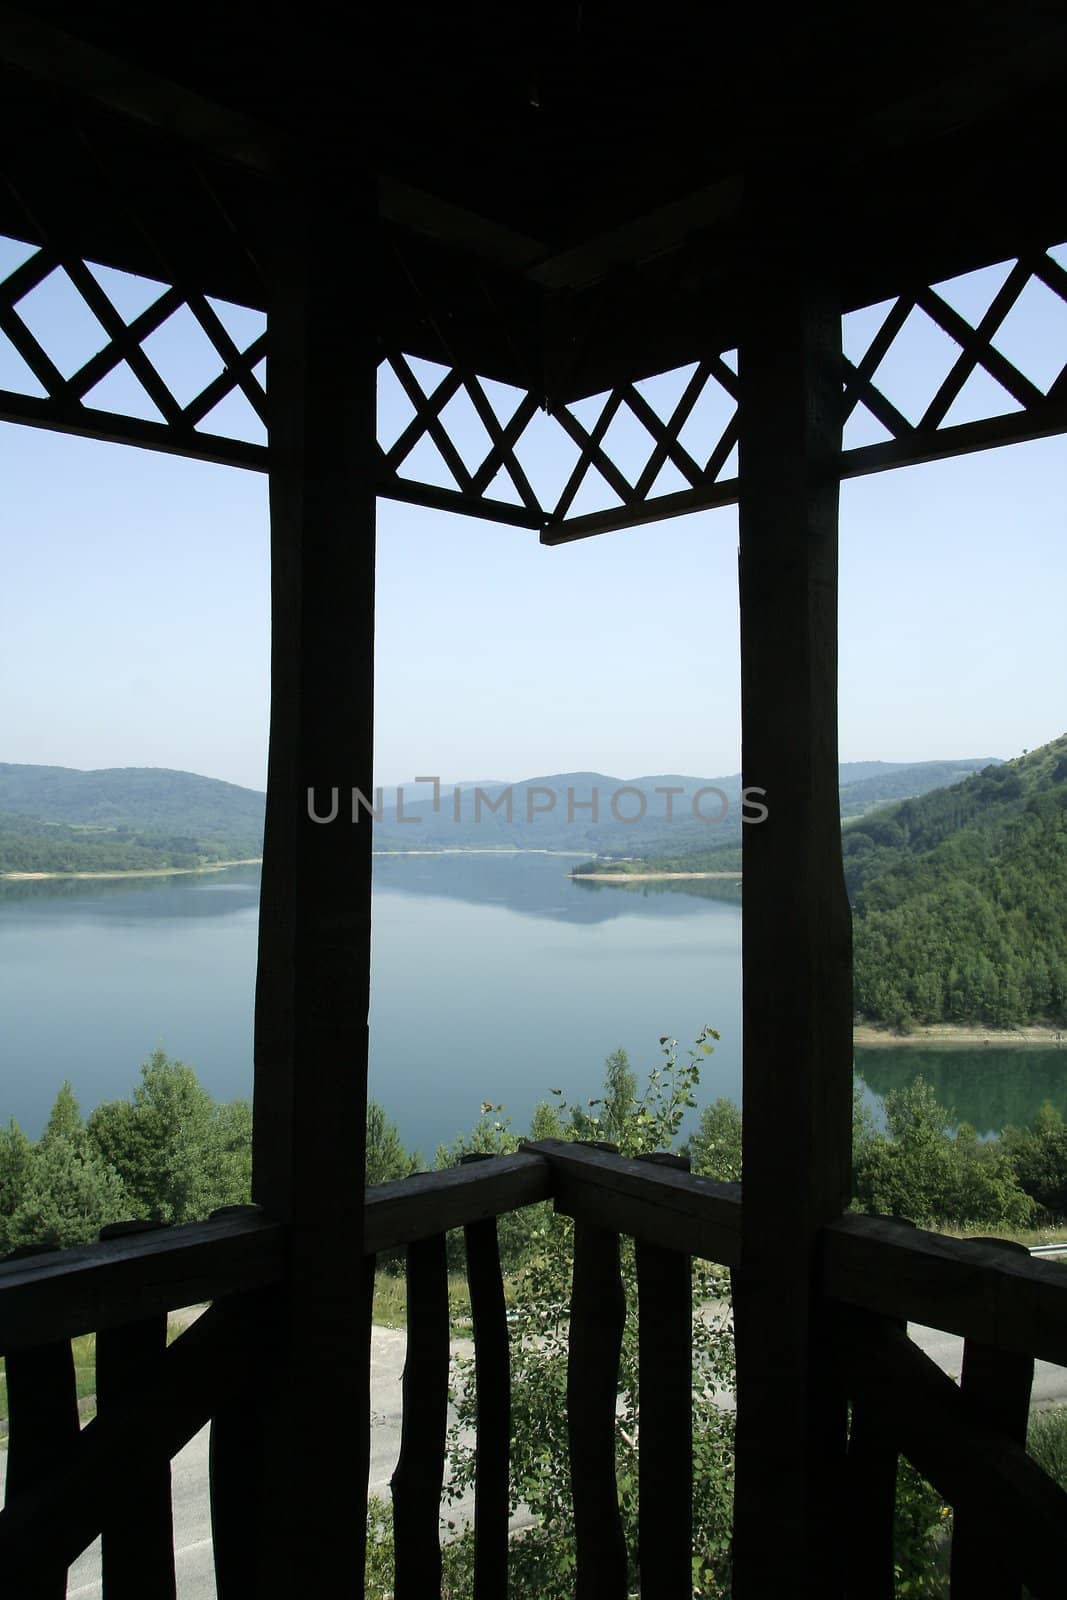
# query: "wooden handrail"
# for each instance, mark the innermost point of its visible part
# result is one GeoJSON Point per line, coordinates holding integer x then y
{"type": "Point", "coordinates": [1005, 1301]}
{"type": "Point", "coordinates": [657, 1204]}
{"type": "Point", "coordinates": [874, 1273]}
{"type": "Point", "coordinates": [433, 1202]}
{"type": "Point", "coordinates": [61, 1294]}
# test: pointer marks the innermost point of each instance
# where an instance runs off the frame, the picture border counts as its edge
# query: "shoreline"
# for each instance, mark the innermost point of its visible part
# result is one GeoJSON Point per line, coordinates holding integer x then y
{"type": "Point", "coordinates": [131, 872]}
{"type": "Point", "coordinates": [257, 861]}
{"type": "Point", "coordinates": [643, 877]}
{"type": "Point", "coordinates": [946, 1035]}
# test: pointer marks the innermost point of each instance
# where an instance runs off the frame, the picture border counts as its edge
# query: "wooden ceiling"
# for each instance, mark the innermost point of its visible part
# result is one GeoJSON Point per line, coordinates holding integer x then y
{"type": "Point", "coordinates": [573, 193]}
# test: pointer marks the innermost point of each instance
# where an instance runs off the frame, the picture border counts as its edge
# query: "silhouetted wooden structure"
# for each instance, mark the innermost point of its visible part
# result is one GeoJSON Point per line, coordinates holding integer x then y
{"type": "Point", "coordinates": [562, 199]}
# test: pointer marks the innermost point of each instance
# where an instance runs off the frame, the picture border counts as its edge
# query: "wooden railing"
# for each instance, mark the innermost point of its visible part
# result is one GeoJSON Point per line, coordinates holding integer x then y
{"type": "Point", "coordinates": [68, 1483]}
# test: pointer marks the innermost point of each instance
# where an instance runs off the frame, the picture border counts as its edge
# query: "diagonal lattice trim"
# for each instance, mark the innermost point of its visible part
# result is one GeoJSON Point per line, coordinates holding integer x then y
{"type": "Point", "coordinates": [67, 404]}
{"type": "Point", "coordinates": [698, 464]}
{"type": "Point", "coordinates": [977, 350]}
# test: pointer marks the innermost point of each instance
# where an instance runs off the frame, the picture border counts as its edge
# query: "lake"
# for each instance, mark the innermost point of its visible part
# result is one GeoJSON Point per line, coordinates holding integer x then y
{"type": "Point", "coordinates": [495, 978]}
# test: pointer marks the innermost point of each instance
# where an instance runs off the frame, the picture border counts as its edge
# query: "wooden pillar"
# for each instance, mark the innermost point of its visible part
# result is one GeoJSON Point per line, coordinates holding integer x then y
{"type": "Point", "coordinates": [796, 938]}
{"type": "Point", "coordinates": [313, 986]}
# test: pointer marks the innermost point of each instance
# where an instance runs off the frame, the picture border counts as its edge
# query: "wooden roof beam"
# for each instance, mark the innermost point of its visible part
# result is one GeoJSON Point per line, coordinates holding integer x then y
{"type": "Point", "coordinates": [61, 58]}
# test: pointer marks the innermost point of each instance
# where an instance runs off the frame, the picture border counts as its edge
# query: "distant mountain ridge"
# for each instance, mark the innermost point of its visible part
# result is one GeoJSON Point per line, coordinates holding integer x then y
{"type": "Point", "coordinates": [63, 819]}
{"type": "Point", "coordinates": [634, 817]}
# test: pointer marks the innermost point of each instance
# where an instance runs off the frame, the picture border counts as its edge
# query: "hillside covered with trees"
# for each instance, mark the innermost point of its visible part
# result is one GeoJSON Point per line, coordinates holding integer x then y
{"type": "Point", "coordinates": [960, 899]}
{"type": "Point", "coordinates": [123, 819]}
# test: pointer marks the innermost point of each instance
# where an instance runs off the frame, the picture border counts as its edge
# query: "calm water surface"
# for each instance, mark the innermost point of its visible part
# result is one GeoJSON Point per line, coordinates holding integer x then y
{"type": "Point", "coordinates": [494, 978]}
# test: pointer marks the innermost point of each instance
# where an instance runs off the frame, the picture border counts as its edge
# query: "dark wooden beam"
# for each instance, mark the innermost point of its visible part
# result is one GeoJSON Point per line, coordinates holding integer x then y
{"type": "Point", "coordinates": [61, 58]}
{"type": "Point", "coordinates": [312, 991]}
{"type": "Point", "coordinates": [61, 1294]}
{"type": "Point", "coordinates": [797, 989]}
{"type": "Point", "coordinates": [652, 234]}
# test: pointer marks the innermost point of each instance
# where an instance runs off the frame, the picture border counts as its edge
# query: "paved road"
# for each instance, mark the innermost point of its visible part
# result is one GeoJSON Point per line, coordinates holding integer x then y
{"type": "Point", "coordinates": [192, 1526]}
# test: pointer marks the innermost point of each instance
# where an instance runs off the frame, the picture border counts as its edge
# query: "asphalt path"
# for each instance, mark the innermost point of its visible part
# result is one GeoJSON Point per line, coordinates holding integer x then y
{"type": "Point", "coordinates": [192, 1519]}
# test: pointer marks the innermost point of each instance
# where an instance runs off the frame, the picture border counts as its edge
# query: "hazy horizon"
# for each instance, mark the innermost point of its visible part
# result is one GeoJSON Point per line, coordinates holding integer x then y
{"type": "Point", "coordinates": [447, 782]}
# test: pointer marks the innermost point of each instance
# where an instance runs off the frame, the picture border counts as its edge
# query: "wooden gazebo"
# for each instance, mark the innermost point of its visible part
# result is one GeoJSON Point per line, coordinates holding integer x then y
{"type": "Point", "coordinates": [563, 199]}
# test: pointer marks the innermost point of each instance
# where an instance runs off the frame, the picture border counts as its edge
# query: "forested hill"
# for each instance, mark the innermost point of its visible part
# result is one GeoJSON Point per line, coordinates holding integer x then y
{"type": "Point", "coordinates": [59, 819]}
{"type": "Point", "coordinates": [960, 899]}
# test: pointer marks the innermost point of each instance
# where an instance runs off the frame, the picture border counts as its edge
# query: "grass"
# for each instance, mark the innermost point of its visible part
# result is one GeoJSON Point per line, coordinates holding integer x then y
{"type": "Point", "coordinates": [1046, 1440]}
{"type": "Point", "coordinates": [84, 1375]}
{"type": "Point", "coordinates": [390, 1301]}
{"type": "Point", "coordinates": [1055, 1234]}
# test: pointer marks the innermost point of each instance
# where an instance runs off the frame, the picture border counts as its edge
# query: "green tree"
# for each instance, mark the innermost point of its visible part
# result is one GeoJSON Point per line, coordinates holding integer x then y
{"type": "Point", "coordinates": [59, 1191]}
{"type": "Point", "coordinates": [65, 1118]}
{"type": "Point", "coordinates": [920, 1171]}
{"type": "Point", "coordinates": [179, 1153]}
{"type": "Point", "coordinates": [715, 1148]}
{"type": "Point", "coordinates": [386, 1157]}
{"type": "Point", "coordinates": [16, 1161]}
{"type": "Point", "coordinates": [67, 1196]}
{"type": "Point", "coordinates": [1039, 1157]}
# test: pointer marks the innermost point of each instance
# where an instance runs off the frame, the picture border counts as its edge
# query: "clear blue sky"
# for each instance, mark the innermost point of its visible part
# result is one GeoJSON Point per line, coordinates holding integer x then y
{"type": "Point", "coordinates": [134, 606]}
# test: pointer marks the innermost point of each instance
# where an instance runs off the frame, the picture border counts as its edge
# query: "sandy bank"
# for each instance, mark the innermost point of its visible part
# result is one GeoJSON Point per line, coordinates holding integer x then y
{"type": "Point", "coordinates": [946, 1035]}
{"type": "Point", "coordinates": [644, 877]}
{"type": "Point", "coordinates": [132, 872]}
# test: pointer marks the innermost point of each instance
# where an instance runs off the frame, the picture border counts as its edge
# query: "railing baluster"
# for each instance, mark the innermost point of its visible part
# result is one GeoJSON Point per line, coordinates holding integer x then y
{"type": "Point", "coordinates": [419, 1476]}
{"type": "Point", "coordinates": [598, 1314]}
{"type": "Point", "coordinates": [872, 1464]}
{"type": "Point", "coordinates": [42, 1404]}
{"type": "Point", "coordinates": [873, 1461]}
{"type": "Point", "coordinates": [492, 1376]}
{"type": "Point", "coordinates": [238, 1455]}
{"type": "Point", "coordinates": [137, 1540]}
{"type": "Point", "coordinates": [998, 1384]}
{"type": "Point", "coordinates": [665, 1375]}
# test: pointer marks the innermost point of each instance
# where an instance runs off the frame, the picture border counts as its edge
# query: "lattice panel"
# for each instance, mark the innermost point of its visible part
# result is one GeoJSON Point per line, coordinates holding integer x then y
{"type": "Point", "coordinates": [973, 361]}
{"type": "Point", "coordinates": [90, 350]}
{"type": "Point", "coordinates": [491, 450]}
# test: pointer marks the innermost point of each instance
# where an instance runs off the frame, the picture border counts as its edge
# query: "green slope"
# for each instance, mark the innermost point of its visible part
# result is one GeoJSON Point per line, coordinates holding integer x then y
{"type": "Point", "coordinates": [58, 819]}
{"type": "Point", "coordinates": [960, 899]}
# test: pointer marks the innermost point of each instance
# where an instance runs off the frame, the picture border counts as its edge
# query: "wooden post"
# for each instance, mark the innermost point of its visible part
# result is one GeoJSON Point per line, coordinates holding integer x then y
{"type": "Point", "coordinates": [312, 992]}
{"type": "Point", "coordinates": [796, 940]}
